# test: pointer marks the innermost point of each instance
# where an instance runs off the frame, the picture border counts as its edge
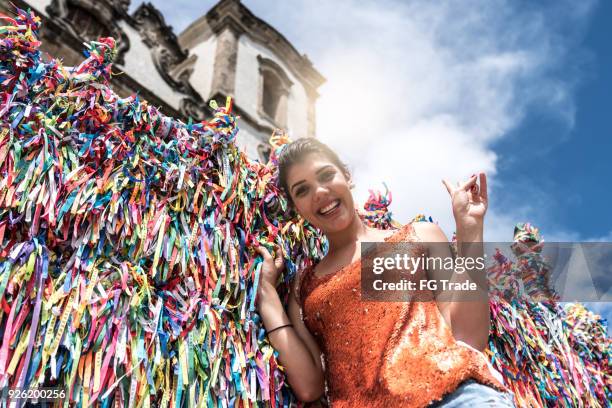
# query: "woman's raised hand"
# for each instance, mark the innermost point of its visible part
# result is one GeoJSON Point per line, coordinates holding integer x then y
{"type": "Point", "coordinates": [469, 201]}
{"type": "Point", "coordinates": [272, 267]}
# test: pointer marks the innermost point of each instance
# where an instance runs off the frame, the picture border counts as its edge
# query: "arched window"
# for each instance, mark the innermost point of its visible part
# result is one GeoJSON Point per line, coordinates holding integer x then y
{"type": "Point", "coordinates": [274, 92]}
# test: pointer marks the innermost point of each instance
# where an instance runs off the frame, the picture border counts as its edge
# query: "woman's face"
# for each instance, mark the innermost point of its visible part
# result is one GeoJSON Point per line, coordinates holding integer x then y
{"type": "Point", "coordinates": [321, 193]}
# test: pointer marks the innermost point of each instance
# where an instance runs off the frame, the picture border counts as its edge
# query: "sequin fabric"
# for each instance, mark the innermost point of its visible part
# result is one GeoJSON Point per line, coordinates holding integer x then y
{"type": "Point", "coordinates": [384, 354]}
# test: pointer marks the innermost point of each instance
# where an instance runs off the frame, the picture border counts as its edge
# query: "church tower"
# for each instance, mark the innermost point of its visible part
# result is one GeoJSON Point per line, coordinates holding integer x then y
{"type": "Point", "coordinates": [234, 53]}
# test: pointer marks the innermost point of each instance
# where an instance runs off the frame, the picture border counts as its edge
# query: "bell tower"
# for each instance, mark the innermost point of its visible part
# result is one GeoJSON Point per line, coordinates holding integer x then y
{"type": "Point", "coordinates": [234, 53]}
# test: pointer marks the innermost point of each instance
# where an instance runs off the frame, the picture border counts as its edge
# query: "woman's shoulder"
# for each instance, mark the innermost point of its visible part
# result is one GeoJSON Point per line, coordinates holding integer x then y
{"type": "Point", "coordinates": [298, 277]}
{"type": "Point", "coordinates": [428, 231]}
{"type": "Point", "coordinates": [407, 232]}
{"type": "Point", "coordinates": [418, 230]}
{"type": "Point", "coordinates": [301, 278]}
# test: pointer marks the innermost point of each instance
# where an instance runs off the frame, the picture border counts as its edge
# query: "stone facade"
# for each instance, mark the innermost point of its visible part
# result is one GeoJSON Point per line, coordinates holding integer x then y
{"type": "Point", "coordinates": [272, 84]}
{"type": "Point", "coordinates": [226, 52]}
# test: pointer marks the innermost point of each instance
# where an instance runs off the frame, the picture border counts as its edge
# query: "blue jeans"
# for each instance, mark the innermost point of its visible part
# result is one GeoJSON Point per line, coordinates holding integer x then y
{"type": "Point", "coordinates": [473, 394]}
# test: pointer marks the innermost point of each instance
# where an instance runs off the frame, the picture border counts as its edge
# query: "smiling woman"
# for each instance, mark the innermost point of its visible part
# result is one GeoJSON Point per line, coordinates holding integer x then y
{"type": "Point", "coordinates": [420, 352]}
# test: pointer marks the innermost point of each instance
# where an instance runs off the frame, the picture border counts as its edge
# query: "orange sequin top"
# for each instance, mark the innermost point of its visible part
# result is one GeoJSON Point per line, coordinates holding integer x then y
{"type": "Point", "coordinates": [379, 354]}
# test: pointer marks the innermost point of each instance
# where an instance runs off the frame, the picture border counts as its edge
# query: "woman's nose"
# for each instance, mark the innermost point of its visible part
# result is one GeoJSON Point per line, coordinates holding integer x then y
{"type": "Point", "coordinates": [320, 192]}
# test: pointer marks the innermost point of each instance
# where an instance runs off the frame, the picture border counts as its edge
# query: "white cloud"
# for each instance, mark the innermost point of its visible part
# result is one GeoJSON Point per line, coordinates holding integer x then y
{"type": "Point", "coordinates": [417, 91]}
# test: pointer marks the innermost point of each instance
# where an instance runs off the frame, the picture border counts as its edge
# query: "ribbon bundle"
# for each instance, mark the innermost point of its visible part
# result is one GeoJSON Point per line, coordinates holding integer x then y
{"type": "Point", "coordinates": [127, 274]}
{"type": "Point", "coordinates": [550, 355]}
{"type": "Point", "coordinates": [127, 271]}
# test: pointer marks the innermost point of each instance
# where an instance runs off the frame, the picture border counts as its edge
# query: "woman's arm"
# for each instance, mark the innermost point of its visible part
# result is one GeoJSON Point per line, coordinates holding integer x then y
{"type": "Point", "coordinates": [472, 307]}
{"type": "Point", "coordinates": [297, 350]}
{"type": "Point", "coordinates": [469, 319]}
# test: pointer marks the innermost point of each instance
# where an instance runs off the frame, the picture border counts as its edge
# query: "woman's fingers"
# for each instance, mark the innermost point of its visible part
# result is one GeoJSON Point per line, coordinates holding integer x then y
{"type": "Point", "coordinates": [279, 261]}
{"type": "Point", "coordinates": [263, 252]}
{"type": "Point", "coordinates": [483, 186]}
{"type": "Point", "coordinates": [469, 184]}
{"type": "Point", "coordinates": [475, 191]}
{"type": "Point", "coordinates": [448, 186]}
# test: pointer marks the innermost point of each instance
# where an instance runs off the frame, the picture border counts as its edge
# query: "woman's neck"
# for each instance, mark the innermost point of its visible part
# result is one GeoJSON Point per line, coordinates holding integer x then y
{"type": "Point", "coordinates": [348, 236]}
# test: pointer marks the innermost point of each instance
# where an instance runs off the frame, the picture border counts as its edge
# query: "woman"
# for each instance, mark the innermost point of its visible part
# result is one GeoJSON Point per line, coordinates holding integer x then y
{"type": "Point", "coordinates": [418, 353]}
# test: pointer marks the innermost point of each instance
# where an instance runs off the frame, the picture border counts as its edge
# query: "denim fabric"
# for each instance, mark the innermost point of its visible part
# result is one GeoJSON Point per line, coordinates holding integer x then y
{"type": "Point", "coordinates": [473, 394]}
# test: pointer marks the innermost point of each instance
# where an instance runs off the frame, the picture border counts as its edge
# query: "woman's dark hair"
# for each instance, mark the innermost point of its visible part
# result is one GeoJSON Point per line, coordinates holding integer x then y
{"type": "Point", "coordinates": [296, 151]}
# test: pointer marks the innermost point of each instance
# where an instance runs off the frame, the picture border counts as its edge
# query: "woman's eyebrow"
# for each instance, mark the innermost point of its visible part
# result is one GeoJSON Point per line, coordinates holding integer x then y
{"type": "Point", "coordinates": [324, 168]}
{"type": "Point", "coordinates": [297, 184]}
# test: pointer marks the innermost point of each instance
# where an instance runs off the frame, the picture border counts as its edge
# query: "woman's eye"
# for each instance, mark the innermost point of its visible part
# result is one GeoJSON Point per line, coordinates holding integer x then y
{"type": "Point", "coordinates": [328, 175]}
{"type": "Point", "coordinates": [301, 191]}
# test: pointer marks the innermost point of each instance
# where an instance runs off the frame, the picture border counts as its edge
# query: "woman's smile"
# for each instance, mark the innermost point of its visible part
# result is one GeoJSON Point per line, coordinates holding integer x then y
{"type": "Point", "coordinates": [330, 209]}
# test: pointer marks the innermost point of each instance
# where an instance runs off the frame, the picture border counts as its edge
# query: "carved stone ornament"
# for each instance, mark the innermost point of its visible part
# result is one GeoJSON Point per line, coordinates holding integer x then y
{"type": "Point", "coordinates": [123, 5]}
{"type": "Point", "coordinates": [191, 108]}
{"type": "Point", "coordinates": [167, 55]}
{"type": "Point", "coordinates": [160, 38]}
{"type": "Point", "coordinates": [92, 18]}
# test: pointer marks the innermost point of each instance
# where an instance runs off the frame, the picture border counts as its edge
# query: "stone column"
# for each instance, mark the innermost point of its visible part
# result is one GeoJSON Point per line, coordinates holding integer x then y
{"type": "Point", "coordinates": [281, 109]}
{"type": "Point", "coordinates": [311, 113]}
{"type": "Point", "coordinates": [224, 68]}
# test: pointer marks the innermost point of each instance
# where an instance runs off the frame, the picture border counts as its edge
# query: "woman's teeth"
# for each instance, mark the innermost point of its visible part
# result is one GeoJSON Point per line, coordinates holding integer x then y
{"type": "Point", "coordinates": [330, 207]}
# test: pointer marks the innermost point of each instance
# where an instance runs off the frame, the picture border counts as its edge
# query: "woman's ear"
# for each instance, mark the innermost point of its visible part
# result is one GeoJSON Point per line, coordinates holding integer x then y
{"type": "Point", "coordinates": [349, 179]}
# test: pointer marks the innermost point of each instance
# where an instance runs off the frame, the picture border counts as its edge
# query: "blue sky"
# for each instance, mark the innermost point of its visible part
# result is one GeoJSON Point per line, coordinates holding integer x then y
{"type": "Point", "coordinates": [571, 165]}
{"type": "Point", "coordinates": [442, 89]}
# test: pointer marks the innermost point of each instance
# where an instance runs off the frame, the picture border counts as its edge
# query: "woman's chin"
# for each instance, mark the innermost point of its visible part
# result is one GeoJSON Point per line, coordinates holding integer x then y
{"type": "Point", "coordinates": [336, 224]}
